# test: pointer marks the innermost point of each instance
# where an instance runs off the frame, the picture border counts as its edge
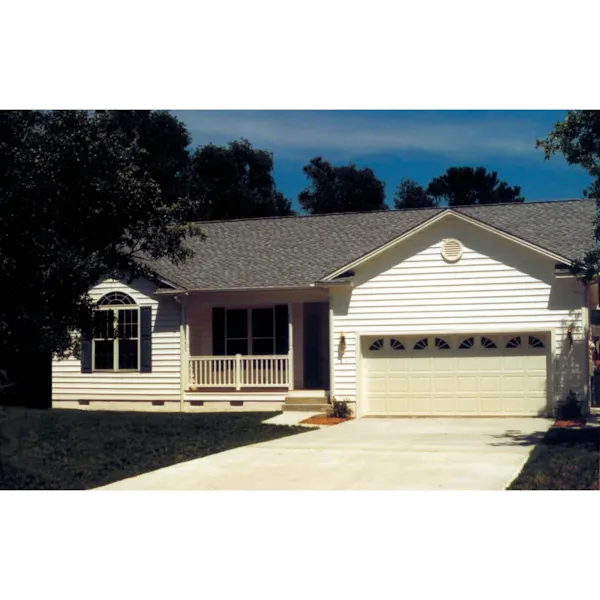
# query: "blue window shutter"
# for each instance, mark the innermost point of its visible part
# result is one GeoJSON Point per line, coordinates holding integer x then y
{"type": "Point", "coordinates": [146, 339]}
{"type": "Point", "coordinates": [282, 339]}
{"type": "Point", "coordinates": [218, 331]}
{"type": "Point", "coordinates": [86, 352]}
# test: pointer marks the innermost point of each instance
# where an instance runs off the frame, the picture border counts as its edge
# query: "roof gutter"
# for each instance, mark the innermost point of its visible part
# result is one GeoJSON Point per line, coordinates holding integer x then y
{"type": "Point", "coordinates": [239, 289]}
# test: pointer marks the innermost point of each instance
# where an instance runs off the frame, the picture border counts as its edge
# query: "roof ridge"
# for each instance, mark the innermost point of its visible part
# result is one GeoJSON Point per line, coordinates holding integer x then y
{"type": "Point", "coordinates": [392, 210]}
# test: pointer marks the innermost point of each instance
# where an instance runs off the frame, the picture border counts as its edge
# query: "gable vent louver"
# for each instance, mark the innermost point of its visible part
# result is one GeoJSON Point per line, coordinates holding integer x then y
{"type": "Point", "coordinates": [452, 250]}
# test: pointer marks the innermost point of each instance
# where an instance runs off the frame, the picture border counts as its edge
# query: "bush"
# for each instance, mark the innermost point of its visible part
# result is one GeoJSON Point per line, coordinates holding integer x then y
{"type": "Point", "coordinates": [340, 410]}
{"type": "Point", "coordinates": [570, 408]}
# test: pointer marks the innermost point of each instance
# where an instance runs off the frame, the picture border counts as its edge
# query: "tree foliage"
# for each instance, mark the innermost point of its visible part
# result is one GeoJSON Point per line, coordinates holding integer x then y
{"type": "Point", "coordinates": [577, 138]}
{"type": "Point", "coordinates": [341, 189]}
{"type": "Point", "coordinates": [410, 194]}
{"type": "Point", "coordinates": [82, 195]}
{"type": "Point", "coordinates": [463, 186]}
{"type": "Point", "coordinates": [233, 182]}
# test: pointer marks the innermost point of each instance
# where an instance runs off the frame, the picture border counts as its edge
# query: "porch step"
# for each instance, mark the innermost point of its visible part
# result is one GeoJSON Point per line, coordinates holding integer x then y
{"type": "Point", "coordinates": [305, 407]}
{"type": "Point", "coordinates": [306, 400]}
{"type": "Point", "coordinates": [316, 395]}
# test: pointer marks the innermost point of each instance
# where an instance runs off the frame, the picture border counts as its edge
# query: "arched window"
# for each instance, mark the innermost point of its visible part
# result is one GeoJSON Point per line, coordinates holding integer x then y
{"type": "Point", "coordinates": [115, 298]}
{"type": "Point", "coordinates": [396, 344]}
{"type": "Point", "coordinates": [116, 334]}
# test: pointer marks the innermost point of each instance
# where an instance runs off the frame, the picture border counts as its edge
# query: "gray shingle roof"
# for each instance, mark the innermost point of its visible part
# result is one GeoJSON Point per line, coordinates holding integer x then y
{"type": "Point", "coordinates": [298, 251]}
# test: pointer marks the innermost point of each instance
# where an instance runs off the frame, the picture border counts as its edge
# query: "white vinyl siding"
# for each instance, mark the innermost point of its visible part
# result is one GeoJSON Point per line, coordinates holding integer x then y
{"type": "Point", "coordinates": [163, 383]}
{"type": "Point", "coordinates": [497, 285]}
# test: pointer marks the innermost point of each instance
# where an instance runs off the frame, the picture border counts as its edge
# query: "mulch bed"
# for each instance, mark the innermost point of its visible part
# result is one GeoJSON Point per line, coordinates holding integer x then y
{"type": "Point", "coordinates": [324, 420]}
{"type": "Point", "coordinates": [569, 423]}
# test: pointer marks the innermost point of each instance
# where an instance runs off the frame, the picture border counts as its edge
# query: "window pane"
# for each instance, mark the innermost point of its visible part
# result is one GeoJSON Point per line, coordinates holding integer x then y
{"type": "Point", "coordinates": [128, 323]}
{"type": "Point", "coordinates": [262, 323]}
{"type": "Point", "coordinates": [237, 347]}
{"type": "Point", "coordinates": [237, 323]}
{"type": "Point", "coordinates": [266, 346]}
{"type": "Point", "coordinates": [104, 324]}
{"type": "Point", "coordinates": [128, 354]}
{"type": "Point", "coordinates": [103, 355]}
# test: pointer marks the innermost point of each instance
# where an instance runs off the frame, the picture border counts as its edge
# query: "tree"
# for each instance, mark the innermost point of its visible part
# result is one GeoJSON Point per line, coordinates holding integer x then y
{"type": "Point", "coordinates": [410, 194]}
{"type": "Point", "coordinates": [462, 186]}
{"type": "Point", "coordinates": [233, 182]}
{"type": "Point", "coordinates": [82, 195]}
{"type": "Point", "coordinates": [578, 139]}
{"type": "Point", "coordinates": [341, 189]}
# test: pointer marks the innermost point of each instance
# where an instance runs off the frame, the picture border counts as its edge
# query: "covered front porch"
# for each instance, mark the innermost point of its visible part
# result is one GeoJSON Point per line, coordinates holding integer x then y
{"type": "Point", "coordinates": [255, 347]}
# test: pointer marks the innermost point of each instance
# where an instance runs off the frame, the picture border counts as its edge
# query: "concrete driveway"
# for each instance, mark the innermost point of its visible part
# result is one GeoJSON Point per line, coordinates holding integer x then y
{"type": "Point", "coordinates": [365, 454]}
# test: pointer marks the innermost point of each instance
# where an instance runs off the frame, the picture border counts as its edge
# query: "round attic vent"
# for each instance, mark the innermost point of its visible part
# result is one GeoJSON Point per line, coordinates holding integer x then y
{"type": "Point", "coordinates": [452, 250]}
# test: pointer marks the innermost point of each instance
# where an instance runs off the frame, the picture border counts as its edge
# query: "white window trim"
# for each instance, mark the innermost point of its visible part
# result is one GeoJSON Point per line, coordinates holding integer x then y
{"type": "Point", "coordinates": [116, 308]}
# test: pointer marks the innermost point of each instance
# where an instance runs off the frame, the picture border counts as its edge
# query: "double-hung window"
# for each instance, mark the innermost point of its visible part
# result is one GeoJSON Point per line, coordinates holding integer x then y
{"type": "Point", "coordinates": [116, 334]}
{"type": "Point", "coordinates": [251, 331]}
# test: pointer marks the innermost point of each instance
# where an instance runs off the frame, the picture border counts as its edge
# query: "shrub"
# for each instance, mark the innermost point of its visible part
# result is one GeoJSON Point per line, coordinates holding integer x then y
{"type": "Point", "coordinates": [340, 410]}
{"type": "Point", "coordinates": [570, 407]}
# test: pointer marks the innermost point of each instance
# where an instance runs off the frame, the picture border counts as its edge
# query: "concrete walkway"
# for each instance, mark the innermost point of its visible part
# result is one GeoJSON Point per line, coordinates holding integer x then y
{"type": "Point", "coordinates": [365, 454]}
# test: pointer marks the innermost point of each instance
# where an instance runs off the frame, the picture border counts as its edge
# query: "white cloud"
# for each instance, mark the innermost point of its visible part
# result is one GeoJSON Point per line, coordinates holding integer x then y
{"type": "Point", "coordinates": [294, 134]}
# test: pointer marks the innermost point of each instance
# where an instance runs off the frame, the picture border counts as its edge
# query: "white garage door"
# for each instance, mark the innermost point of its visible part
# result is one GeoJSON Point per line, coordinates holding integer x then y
{"type": "Point", "coordinates": [469, 374]}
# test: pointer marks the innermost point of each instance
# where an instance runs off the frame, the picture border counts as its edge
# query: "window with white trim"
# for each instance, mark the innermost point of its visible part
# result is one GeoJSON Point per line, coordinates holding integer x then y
{"type": "Point", "coordinates": [116, 334]}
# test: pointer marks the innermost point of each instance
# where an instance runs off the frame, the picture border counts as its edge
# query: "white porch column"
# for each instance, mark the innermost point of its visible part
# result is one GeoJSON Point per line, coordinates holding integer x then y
{"type": "Point", "coordinates": [187, 349]}
{"type": "Point", "coordinates": [331, 353]}
{"type": "Point", "coordinates": [290, 348]}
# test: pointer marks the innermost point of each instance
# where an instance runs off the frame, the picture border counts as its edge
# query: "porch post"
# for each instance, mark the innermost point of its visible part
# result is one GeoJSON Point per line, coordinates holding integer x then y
{"type": "Point", "coordinates": [238, 371]}
{"type": "Point", "coordinates": [186, 349]}
{"type": "Point", "coordinates": [331, 353]}
{"type": "Point", "coordinates": [290, 348]}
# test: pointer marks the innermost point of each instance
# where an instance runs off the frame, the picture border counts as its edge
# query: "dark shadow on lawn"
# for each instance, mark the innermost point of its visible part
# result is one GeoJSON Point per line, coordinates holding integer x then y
{"type": "Point", "coordinates": [72, 449]}
{"type": "Point", "coordinates": [518, 438]}
{"type": "Point", "coordinates": [562, 436]}
{"type": "Point", "coordinates": [565, 459]}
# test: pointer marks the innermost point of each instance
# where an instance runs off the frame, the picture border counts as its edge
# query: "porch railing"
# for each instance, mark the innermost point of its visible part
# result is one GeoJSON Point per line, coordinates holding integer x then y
{"type": "Point", "coordinates": [240, 371]}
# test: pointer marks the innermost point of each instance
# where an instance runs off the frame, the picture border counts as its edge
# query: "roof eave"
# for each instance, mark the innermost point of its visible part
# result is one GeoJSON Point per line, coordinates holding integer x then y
{"type": "Point", "coordinates": [434, 219]}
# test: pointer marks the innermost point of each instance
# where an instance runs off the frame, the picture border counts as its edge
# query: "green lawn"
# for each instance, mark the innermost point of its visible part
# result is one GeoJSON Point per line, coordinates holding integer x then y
{"type": "Point", "coordinates": [566, 459]}
{"type": "Point", "coordinates": [72, 449]}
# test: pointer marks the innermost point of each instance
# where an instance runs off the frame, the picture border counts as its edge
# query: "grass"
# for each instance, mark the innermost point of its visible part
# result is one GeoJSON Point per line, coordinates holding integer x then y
{"type": "Point", "coordinates": [565, 459]}
{"type": "Point", "coordinates": [72, 449]}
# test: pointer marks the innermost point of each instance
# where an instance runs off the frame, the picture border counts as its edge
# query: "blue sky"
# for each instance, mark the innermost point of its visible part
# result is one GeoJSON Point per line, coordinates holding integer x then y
{"type": "Point", "coordinates": [395, 144]}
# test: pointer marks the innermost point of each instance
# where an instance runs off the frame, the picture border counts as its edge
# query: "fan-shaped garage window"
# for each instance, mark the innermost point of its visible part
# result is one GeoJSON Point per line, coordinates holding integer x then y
{"type": "Point", "coordinates": [514, 342]}
{"type": "Point", "coordinates": [466, 344]}
{"type": "Point", "coordinates": [396, 344]}
{"type": "Point", "coordinates": [376, 345]}
{"type": "Point", "coordinates": [535, 342]}
{"type": "Point", "coordinates": [486, 342]}
{"type": "Point", "coordinates": [441, 344]}
{"type": "Point", "coordinates": [421, 344]}
{"type": "Point", "coordinates": [115, 298]}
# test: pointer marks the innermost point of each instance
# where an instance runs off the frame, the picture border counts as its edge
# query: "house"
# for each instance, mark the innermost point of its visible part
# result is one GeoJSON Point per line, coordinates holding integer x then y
{"type": "Point", "coordinates": [463, 311]}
